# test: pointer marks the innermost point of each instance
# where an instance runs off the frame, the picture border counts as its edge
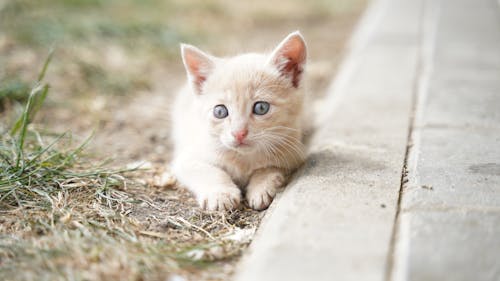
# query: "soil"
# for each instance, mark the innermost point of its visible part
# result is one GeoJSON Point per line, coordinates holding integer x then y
{"type": "Point", "coordinates": [135, 128]}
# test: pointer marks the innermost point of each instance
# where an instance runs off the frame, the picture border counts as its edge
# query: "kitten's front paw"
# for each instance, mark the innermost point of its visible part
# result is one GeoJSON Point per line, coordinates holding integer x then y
{"type": "Point", "coordinates": [260, 199]}
{"type": "Point", "coordinates": [220, 199]}
{"type": "Point", "coordinates": [261, 194]}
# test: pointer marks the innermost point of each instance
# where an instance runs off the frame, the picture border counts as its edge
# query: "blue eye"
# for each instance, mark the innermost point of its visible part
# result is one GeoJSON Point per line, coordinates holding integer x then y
{"type": "Point", "coordinates": [261, 107]}
{"type": "Point", "coordinates": [220, 111]}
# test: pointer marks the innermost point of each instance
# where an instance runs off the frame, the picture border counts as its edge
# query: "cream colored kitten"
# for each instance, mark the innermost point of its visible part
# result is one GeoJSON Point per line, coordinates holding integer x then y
{"type": "Point", "coordinates": [238, 123]}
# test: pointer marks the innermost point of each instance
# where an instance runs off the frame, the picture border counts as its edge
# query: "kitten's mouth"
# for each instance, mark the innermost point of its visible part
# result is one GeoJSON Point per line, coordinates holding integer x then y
{"type": "Point", "coordinates": [241, 146]}
{"type": "Point", "coordinates": [238, 146]}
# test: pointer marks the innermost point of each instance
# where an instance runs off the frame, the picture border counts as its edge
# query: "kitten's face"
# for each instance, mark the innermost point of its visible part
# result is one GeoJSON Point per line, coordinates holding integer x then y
{"type": "Point", "coordinates": [251, 102]}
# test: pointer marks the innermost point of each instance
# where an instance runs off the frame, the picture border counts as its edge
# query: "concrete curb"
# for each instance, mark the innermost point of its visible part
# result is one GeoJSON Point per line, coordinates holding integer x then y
{"type": "Point", "coordinates": [335, 219]}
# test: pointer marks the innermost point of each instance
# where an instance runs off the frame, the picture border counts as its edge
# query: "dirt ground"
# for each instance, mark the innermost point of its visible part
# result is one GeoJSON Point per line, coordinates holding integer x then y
{"type": "Point", "coordinates": [115, 71]}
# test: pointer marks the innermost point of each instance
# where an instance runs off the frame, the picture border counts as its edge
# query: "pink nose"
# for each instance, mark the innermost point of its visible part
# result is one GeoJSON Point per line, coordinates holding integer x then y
{"type": "Point", "coordinates": [240, 135]}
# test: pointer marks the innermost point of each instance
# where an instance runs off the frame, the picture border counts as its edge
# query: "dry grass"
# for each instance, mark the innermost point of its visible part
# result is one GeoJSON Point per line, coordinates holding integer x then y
{"type": "Point", "coordinates": [76, 215]}
{"type": "Point", "coordinates": [66, 218]}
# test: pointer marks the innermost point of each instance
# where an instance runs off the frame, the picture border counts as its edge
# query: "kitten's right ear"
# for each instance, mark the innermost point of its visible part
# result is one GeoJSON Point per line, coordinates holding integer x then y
{"type": "Point", "coordinates": [198, 65]}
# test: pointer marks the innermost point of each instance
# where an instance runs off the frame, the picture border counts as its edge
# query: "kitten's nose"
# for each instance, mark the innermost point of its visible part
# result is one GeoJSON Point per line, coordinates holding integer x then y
{"type": "Point", "coordinates": [240, 135]}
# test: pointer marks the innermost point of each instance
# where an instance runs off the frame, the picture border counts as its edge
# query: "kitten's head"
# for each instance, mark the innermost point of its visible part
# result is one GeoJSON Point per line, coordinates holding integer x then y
{"type": "Point", "coordinates": [251, 101]}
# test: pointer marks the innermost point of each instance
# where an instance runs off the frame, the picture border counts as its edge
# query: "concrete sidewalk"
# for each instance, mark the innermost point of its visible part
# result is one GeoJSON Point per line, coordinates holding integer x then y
{"type": "Point", "coordinates": [449, 222]}
{"type": "Point", "coordinates": [403, 178]}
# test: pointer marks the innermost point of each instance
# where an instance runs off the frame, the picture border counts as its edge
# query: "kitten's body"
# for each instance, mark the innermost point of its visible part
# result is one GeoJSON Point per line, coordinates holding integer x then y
{"type": "Point", "coordinates": [209, 158]}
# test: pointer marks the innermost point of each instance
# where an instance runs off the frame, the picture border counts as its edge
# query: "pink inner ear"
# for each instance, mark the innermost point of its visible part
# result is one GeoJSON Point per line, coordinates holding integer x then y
{"type": "Point", "coordinates": [198, 65]}
{"type": "Point", "coordinates": [290, 59]}
{"type": "Point", "coordinates": [197, 76]}
{"type": "Point", "coordinates": [193, 64]}
{"type": "Point", "coordinates": [294, 70]}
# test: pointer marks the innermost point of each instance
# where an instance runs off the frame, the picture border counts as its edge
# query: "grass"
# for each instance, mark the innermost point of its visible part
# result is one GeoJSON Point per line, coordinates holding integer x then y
{"type": "Point", "coordinates": [67, 214]}
{"type": "Point", "coordinates": [111, 47]}
{"type": "Point", "coordinates": [65, 218]}
{"type": "Point", "coordinates": [33, 171]}
{"type": "Point", "coordinates": [45, 22]}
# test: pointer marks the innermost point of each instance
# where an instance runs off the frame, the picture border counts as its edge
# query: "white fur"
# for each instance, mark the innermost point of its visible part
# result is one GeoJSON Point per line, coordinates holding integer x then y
{"type": "Point", "coordinates": [207, 158]}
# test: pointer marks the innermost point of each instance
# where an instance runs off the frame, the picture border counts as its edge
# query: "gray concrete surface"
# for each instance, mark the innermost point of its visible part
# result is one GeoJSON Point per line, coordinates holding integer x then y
{"type": "Point", "coordinates": [334, 221]}
{"type": "Point", "coordinates": [450, 246]}
{"type": "Point", "coordinates": [426, 67]}
{"type": "Point", "coordinates": [449, 227]}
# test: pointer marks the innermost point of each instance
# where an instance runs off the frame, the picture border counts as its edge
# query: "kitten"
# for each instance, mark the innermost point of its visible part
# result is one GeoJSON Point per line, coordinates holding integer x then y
{"type": "Point", "coordinates": [238, 123]}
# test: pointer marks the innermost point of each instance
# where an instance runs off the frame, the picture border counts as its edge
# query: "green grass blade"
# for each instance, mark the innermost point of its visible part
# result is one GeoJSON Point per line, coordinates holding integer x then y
{"type": "Point", "coordinates": [40, 153]}
{"type": "Point", "coordinates": [35, 100]}
{"type": "Point", "coordinates": [78, 150]}
{"type": "Point", "coordinates": [22, 124]}
{"type": "Point", "coordinates": [34, 103]}
{"type": "Point", "coordinates": [38, 101]}
{"type": "Point", "coordinates": [41, 75]}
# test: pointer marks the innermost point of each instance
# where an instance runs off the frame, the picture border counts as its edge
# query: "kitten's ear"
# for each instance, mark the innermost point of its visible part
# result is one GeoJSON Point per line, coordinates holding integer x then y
{"type": "Point", "coordinates": [198, 65]}
{"type": "Point", "coordinates": [290, 57]}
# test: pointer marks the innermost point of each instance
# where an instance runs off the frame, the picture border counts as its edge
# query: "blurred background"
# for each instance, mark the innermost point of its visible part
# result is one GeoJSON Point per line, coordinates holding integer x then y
{"type": "Point", "coordinates": [109, 51]}
{"type": "Point", "coordinates": [115, 69]}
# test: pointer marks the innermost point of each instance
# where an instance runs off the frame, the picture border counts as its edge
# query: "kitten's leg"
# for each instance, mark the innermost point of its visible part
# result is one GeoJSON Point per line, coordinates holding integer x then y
{"type": "Point", "coordinates": [213, 188]}
{"type": "Point", "coordinates": [263, 186]}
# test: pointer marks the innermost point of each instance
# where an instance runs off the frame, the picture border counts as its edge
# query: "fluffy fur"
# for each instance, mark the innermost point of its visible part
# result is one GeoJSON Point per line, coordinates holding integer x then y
{"type": "Point", "coordinates": [208, 158]}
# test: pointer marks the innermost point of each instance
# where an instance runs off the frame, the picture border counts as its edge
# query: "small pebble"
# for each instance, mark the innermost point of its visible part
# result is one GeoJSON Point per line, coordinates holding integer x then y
{"type": "Point", "coordinates": [429, 187]}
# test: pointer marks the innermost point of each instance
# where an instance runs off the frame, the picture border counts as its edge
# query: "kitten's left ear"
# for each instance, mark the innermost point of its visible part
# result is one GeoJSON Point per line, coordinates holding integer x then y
{"type": "Point", "coordinates": [290, 57]}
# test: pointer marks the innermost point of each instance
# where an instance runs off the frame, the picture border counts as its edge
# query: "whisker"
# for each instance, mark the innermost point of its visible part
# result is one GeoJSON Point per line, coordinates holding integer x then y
{"type": "Point", "coordinates": [291, 148]}
{"type": "Point", "coordinates": [277, 153]}
{"type": "Point", "coordinates": [292, 142]}
{"type": "Point", "coordinates": [281, 127]}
